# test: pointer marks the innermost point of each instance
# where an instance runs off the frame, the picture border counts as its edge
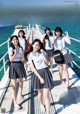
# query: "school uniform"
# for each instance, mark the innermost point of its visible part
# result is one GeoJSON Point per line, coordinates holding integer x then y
{"type": "Point", "coordinates": [42, 69]}
{"type": "Point", "coordinates": [22, 42]}
{"type": "Point", "coordinates": [49, 46]}
{"type": "Point", "coordinates": [16, 69]}
{"type": "Point", "coordinates": [60, 44]}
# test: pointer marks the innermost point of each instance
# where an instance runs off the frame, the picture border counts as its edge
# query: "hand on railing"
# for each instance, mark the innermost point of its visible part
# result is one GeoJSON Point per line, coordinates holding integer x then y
{"type": "Point", "coordinates": [66, 33]}
{"type": "Point", "coordinates": [53, 33]}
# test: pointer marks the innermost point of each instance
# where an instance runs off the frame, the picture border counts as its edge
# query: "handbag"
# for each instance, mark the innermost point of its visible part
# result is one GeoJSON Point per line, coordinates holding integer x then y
{"type": "Point", "coordinates": [58, 57]}
{"type": "Point", "coordinates": [28, 46]}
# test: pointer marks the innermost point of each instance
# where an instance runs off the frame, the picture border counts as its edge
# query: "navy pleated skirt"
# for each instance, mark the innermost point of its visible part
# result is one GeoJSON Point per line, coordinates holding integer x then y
{"type": "Point", "coordinates": [46, 75]}
{"type": "Point", "coordinates": [50, 52]}
{"type": "Point", "coordinates": [17, 70]}
{"type": "Point", "coordinates": [67, 58]}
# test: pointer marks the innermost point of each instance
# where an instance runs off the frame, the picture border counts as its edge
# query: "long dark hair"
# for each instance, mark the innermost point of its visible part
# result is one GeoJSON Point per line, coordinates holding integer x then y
{"type": "Point", "coordinates": [22, 32]}
{"type": "Point", "coordinates": [40, 43]}
{"type": "Point", "coordinates": [11, 44]}
{"type": "Point", "coordinates": [58, 29]}
{"type": "Point", "coordinates": [46, 36]}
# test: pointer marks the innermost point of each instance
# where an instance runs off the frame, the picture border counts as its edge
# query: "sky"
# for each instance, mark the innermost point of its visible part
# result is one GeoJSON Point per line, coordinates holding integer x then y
{"type": "Point", "coordinates": [21, 11]}
{"type": "Point", "coordinates": [34, 2]}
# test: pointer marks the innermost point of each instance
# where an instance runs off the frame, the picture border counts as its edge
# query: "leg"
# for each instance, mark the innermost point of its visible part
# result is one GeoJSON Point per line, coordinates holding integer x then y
{"type": "Point", "coordinates": [21, 86]}
{"type": "Point", "coordinates": [40, 98]}
{"type": "Point", "coordinates": [47, 100]}
{"type": "Point", "coordinates": [61, 71]}
{"type": "Point", "coordinates": [66, 73]}
{"type": "Point", "coordinates": [51, 62]}
{"type": "Point", "coordinates": [13, 82]}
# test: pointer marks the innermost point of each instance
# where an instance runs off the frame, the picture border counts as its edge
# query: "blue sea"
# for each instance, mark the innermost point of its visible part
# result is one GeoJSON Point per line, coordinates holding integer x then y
{"type": "Point", "coordinates": [5, 33]}
{"type": "Point", "coordinates": [74, 31]}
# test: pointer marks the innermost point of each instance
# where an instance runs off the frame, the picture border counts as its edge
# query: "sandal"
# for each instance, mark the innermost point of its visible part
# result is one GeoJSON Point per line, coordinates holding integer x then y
{"type": "Point", "coordinates": [21, 97]}
{"type": "Point", "coordinates": [42, 107]}
{"type": "Point", "coordinates": [16, 106]}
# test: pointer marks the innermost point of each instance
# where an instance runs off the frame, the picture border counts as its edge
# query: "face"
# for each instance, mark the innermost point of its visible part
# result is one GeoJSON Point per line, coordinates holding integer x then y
{"type": "Point", "coordinates": [15, 41]}
{"type": "Point", "coordinates": [21, 34]}
{"type": "Point", "coordinates": [36, 47]}
{"type": "Point", "coordinates": [58, 33]}
{"type": "Point", "coordinates": [47, 32]}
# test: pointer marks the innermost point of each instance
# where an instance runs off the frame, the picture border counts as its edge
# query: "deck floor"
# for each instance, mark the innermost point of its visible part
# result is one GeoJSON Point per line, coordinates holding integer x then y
{"type": "Point", "coordinates": [60, 97]}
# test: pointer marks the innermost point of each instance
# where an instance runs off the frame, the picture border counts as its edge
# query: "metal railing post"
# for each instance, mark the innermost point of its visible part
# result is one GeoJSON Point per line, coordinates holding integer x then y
{"type": "Point", "coordinates": [4, 65]}
{"type": "Point", "coordinates": [71, 62]}
{"type": "Point", "coordinates": [8, 44]}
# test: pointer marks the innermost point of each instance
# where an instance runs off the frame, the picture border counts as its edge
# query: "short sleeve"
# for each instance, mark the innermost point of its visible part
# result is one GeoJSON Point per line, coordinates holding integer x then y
{"type": "Point", "coordinates": [10, 51]}
{"type": "Point", "coordinates": [66, 38]}
{"type": "Point", "coordinates": [30, 58]}
{"type": "Point", "coordinates": [47, 57]}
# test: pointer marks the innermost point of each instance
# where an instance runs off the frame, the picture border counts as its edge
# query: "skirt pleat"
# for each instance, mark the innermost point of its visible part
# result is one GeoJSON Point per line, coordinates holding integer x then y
{"type": "Point", "coordinates": [46, 75]}
{"type": "Point", "coordinates": [17, 70]}
{"type": "Point", "coordinates": [67, 58]}
{"type": "Point", "coordinates": [50, 52]}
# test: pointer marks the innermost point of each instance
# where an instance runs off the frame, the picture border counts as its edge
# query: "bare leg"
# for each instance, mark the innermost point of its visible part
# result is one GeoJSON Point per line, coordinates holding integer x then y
{"type": "Point", "coordinates": [13, 82]}
{"type": "Point", "coordinates": [47, 100]}
{"type": "Point", "coordinates": [66, 73]}
{"type": "Point", "coordinates": [61, 72]}
{"type": "Point", "coordinates": [40, 98]}
{"type": "Point", "coordinates": [51, 62]}
{"type": "Point", "coordinates": [21, 86]}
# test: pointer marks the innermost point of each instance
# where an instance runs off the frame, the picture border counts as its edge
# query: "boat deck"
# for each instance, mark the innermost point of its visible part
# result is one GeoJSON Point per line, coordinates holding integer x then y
{"type": "Point", "coordinates": [60, 97]}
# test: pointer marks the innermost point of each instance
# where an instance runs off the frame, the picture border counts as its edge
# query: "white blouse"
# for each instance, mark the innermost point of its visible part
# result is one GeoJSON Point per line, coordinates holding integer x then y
{"type": "Point", "coordinates": [22, 43]}
{"type": "Point", "coordinates": [59, 43]}
{"type": "Point", "coordinates": [18, 53]}
{"type": "Point", "coordinates": [38, 60]}
{"type": "Point", "coordinates": [48, 44]}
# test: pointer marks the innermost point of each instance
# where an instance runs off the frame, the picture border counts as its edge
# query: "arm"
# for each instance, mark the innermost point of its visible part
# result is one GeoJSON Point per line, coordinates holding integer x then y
{"type": "Point", "coordinates": [26, 37]}
{"type": "Point", "coordinates": [67, 38]}
{"type": "Point", "coordinates": [37, 74]}
{"type": "Point", "coordinates": [22, 56]}
{"type": "Point", "coordinates": [44, 57]}
{"type": "Point", "coordinates": [43, 40]}
{"type": "Point", "coordinates": [11, 55]}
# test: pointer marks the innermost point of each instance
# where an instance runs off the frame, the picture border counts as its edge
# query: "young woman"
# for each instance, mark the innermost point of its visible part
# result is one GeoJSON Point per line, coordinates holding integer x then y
{"type": "Point", "coordinates": [48, 42]}
{"type": "Point", "coordinates": [16, 70]}
{"type": "Point", "coordinates": [59, 43]}
{"type": "Point", "coordinates": [41, 79]}
{"type": "Point", "coordinates": [22, 39]}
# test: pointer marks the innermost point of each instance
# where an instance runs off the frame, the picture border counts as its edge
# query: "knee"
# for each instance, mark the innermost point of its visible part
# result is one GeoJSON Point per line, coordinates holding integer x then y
{"type": "Point", "coordinates": [46, 96]}
{"type": "Point", "coordinates": [51, 60]}
{"type": "Point", "coordinates": [60, 67]}
{"type": "Point", "coordinates": [40, 93]}
{"type": "Point", "coordinates": [13, 87]}
{"type": "Point", "coordinates": [65, 68]}
{"type": "Point", "coordinates": [21, 85]}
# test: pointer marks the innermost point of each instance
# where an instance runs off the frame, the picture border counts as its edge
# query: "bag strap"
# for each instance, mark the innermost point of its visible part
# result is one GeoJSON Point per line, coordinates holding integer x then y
{"type": "Point", "coordinates": [33, 64]}
{"type": "Point", "coordinates": [61, 43]}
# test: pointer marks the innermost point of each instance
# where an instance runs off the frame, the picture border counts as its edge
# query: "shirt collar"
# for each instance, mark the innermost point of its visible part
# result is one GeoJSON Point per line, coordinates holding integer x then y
{"type": "Point", "coordinates": [36, 54]}
{"type": "Point", "coordinates": [59, 37]}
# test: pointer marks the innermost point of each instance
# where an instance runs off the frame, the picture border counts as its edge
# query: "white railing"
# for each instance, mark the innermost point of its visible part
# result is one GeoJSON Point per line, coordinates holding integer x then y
{"type": "Point", "coordinates": [4, 83]}
{"type": "Point", "coordinates": [70, 51]}
{"type": "Point", "coordinates": [3, 59]}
